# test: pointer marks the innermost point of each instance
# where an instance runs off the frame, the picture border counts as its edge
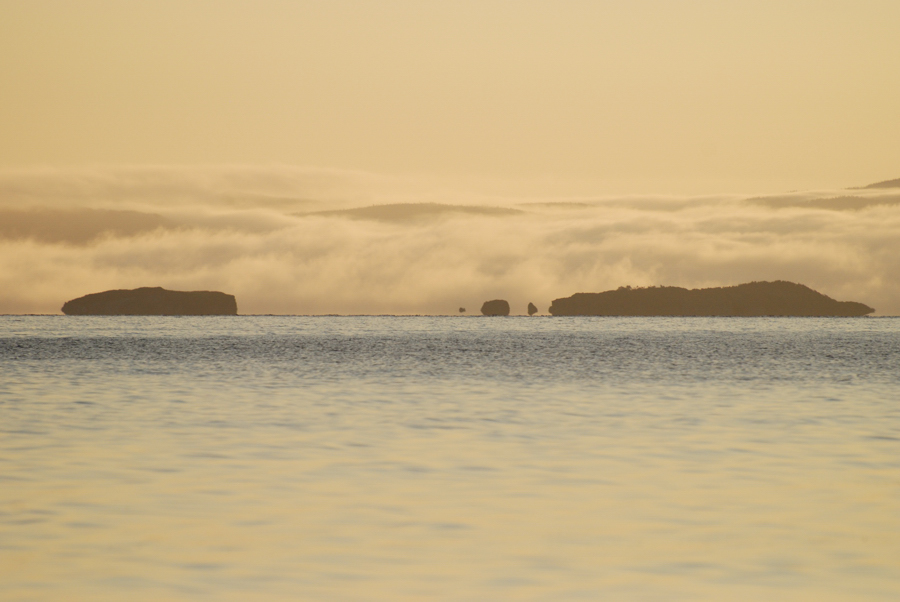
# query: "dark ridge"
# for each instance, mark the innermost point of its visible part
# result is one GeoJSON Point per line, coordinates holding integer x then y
{"type": "Point", "coordinates": [557, 204]}
{"type": "Point", "coordinates": [76, 226]}
{"type": "Point", "coordinates": [840, 203]}
{"type": "Point", "coordinates": [401, 212]}
{"type": "Point", "coordinates": [156, 301]}
{"type": "Point", "coordinates": [497, 307]}
{"type": "Point", "coordinates": [885, 184]}
{"type": "Point", "coordinates": [853, 203]}
{"type": "Point", "coordinates": [778, 298]}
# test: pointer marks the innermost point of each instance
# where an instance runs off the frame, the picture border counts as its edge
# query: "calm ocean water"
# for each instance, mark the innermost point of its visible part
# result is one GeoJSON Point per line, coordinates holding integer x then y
{"type": "Point", "coordinates": [449, 458]}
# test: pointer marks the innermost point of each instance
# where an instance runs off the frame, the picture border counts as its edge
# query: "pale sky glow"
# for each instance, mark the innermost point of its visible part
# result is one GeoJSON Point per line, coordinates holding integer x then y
{"type": "Point", "coordinates": [587, 97]}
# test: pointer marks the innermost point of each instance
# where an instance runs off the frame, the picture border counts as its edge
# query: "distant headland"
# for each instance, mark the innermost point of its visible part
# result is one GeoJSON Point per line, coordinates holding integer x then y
{"type": "Point", "coordinates": [885, 184]}
{"type": "Point", "coordinates": [778, 298]}
{"type": "Point", "coordinates": [152, 301]}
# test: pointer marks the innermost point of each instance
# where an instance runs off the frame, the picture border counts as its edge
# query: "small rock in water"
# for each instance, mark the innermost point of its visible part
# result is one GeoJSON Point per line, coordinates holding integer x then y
{"type": "Point", "coordinates": [497, 307]}
{"type": "Point", "coordinates": [532, 309]}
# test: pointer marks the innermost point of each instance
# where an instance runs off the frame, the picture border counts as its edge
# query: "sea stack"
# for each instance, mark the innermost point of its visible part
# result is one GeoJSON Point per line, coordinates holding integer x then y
{"type": "Point", "coordinates": [497, 307]}
{"type": "Point", "coordinates": [532, 309]}
{"type": "Point", "coordinates": [778, 298]}
{"type": "Point", "coordinates": [152, 301]}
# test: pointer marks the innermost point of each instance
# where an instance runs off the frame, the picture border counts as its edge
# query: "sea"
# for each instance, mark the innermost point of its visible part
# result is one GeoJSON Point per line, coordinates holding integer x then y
{"type": "Point", "coordinates": [449, 458]}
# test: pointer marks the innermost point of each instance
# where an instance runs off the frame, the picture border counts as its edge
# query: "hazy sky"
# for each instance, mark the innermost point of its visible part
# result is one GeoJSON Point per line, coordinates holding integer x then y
{"type": "Point", "coordinates": [219, 144]}
{"type": "Point", "coordinates": [599, 96]}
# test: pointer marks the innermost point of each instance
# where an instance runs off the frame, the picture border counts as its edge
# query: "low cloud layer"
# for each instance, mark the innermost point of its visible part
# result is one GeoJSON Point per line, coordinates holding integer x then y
{"type": "Point", "coordinates": [304, 241]}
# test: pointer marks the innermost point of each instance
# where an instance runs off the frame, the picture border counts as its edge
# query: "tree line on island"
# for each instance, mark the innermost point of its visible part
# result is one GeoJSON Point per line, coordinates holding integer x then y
{"type": "Point", "coordinates": [779, 298]}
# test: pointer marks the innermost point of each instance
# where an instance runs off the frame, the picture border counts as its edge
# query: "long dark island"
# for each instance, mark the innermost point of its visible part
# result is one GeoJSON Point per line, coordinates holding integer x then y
{"type": "Point", "coordinates": [152, 301]}
{"type": "Point", "coordinates": [777, 298]}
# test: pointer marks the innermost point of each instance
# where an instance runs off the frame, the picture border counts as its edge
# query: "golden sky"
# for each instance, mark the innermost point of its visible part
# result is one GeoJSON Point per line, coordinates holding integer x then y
{"type": "Point", "coordinates": [643, 96]}
{"type": "Point", "coordinates": [568, 146]}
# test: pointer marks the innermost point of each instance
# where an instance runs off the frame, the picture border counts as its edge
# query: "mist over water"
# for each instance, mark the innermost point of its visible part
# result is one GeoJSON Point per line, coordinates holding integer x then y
{"type": "Point", "coordinates": [386, 458]}
{"type": "Point", "coordinates": [307, 241]}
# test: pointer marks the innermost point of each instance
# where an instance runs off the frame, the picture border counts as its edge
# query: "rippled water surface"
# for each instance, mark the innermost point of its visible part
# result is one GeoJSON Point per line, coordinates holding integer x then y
{"type": "Point", "coordinates": [393, 458]}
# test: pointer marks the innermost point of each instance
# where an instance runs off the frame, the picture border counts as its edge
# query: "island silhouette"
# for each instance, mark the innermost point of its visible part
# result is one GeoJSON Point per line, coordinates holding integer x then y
{"type": "Point", "coordinates": [779, 298]}
{"type": "Point", "coordinates": [152, 301]}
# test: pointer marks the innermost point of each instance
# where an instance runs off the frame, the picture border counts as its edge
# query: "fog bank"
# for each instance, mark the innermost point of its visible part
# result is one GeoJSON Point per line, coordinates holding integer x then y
{"type": "Point", "coordinates": [307, 241]}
